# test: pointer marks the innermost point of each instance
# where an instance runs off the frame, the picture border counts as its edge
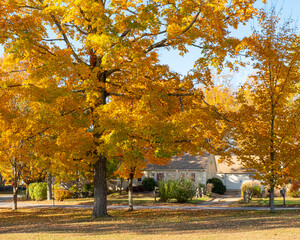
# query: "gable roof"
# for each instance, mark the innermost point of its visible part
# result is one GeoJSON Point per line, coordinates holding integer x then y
{"type": "Point", "coordinates": [184, 162]}
{"type": "Point", "coordinates": [235, 167]}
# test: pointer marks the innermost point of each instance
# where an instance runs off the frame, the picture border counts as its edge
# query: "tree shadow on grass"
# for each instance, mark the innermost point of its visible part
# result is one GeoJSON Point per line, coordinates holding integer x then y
{"type": "Point", "coordinates": [51, 220]}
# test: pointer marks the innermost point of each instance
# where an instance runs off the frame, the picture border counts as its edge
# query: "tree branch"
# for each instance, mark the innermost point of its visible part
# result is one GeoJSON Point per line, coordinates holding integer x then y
{"type": "Point", "coordinates": [69, 45]}
{"type": "Point", "coordinates": [215, 110]}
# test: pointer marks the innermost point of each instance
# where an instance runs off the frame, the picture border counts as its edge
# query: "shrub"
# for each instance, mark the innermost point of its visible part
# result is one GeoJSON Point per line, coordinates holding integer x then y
{"type": "Point", "coordinates": [73, 189]}
{"type": "Point", "coordinates": [256, 191]}
{"type": "Point", "coordinates": [149, 184]}
{"type": "Point", "coordinates": [40, 191]}
{"type": "Point", "coordinates": [294, 189]}
{"type": "Point", "coordinates": [294, 194]}
{"type": "Point", "coordinates": [250, 188]}
{"type": "Point", "coordinates": [88, 187]}
{"type": "Point", "coordinates": [166, 190]}
{"type": "Point", "coordinates": [218, 187]}
{"type": "Point", "coordinates": [61, 194]}
{"type": "Point", "coordinates": [180, 190]}
{"type": "Point", "coordinates": [185, 190]}
{"type": "Point", "coordinates": [31, 190]}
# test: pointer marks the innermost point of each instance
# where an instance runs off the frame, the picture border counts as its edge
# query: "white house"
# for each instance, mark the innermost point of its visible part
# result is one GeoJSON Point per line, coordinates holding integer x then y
{"type": "Point", "coordinates": [232, 175]}
{"type": "Point", "coordinates": [196, 168]}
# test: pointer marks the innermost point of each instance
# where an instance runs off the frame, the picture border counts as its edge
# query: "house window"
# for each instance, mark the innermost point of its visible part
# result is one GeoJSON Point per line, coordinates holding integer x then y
{"type": "Point", "coordinates": [193, 177]}
{"type": "Point", "coordinates": [139, 179]}
{"type": "Point", "coordinates": [160, 177]}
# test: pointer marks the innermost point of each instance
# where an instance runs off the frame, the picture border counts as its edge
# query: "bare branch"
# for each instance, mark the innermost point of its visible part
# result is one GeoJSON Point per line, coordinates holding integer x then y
{"type": "Point", "coordinates": [54, 39]}
{"type": "Point", "coordinates": [192, 23]}
{"type": "Point", "coordinates": [69, 45]}
{"type": "Point", "coordinates": [46, 49]}
{"type": "Point", "coordinates": [181, 94]}
{"type": "Point", "coordinates": [181, 104]}
{"type": "Point", "coordinates": [163, 43]}
{"type": "Point", "coordinates": [215, 110]}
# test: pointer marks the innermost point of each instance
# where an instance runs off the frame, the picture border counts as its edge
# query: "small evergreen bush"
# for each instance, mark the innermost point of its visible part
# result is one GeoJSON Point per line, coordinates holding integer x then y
{"type": "Point", "coordinates": [149, 184]}
{"type": "Point", "coordinates": [218, 187]}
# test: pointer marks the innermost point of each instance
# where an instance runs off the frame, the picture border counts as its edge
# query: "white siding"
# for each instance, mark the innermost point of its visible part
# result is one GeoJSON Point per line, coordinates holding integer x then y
{"type": "Point", "coordinates": [233, 181]}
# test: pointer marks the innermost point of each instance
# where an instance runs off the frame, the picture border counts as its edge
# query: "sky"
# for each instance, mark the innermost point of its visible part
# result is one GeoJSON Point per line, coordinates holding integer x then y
{"type": "Point", "coordinates": [287, 8]}
{"type": "Point", "coordinates": [182, 64]}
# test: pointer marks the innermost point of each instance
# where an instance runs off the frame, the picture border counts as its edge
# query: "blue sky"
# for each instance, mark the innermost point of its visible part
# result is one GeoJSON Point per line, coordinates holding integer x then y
{"type": "Point", "coordinates": [287, 8]}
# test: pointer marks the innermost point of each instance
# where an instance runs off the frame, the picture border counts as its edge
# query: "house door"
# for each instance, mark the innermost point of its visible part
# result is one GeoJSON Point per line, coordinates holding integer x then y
{"type": "Point", "coordinates": [160, 177]}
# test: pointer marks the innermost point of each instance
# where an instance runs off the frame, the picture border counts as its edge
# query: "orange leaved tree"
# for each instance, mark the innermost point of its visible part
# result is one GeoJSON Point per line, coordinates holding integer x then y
{"type": "Point", "coordinates": [266, 128]}
{"type": "Point", "coordinates": [103, 50]}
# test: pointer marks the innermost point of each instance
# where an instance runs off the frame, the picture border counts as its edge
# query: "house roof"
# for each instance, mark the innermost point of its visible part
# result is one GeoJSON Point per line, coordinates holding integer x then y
{"type": "Point", "coordinates": [184, 162]}
{"type": "Point", "coordinates": [235, 167]}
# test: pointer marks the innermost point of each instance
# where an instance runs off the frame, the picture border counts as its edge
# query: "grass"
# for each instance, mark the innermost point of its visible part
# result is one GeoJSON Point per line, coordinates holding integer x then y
{"type": "Point", "coordinates": [142, 199]}
{"type": "Point", "coordinates": [51, 223]}
{"type": "Point", "coordinates": [263, 202]}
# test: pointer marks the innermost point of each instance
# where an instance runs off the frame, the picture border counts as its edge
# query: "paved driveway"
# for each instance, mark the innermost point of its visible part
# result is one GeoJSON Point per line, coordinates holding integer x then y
{"type": "Point", "coordinates": [5, 200]}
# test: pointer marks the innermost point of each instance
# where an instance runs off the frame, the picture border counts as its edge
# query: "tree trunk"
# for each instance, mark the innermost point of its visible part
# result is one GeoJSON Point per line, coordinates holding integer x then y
{"type": "Point", "coordinates": [272, 205]}
{"type": "Point", "coordinates": [15, 189]}
{"type": "Point", "coordinates": [100, 185]}
{"type": "Point", "coordinates": [100, 194]}
{"type": "Point", "coordinates": [130, 192]}
{"type": "Point", "coordinates": [27, 192]}
{"type": "Point", "coordinates": [121, 185]}
{"type": "Point", "coordinates": [49, 186]}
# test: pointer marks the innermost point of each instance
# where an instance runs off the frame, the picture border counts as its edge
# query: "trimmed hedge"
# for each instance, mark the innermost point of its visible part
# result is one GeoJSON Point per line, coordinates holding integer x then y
{"type": "Point", "coordinates": [218, 187]}
{"type": "Point", "coordinates": [31, 189]}
{"type": "Point", "coordinates": [38, 191]}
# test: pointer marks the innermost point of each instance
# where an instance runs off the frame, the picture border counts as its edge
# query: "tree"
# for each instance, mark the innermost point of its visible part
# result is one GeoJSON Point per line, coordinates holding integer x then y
{"type": "Point", "coordinates": [266, 127]}
{"type": "Point", "coordinates": [28, 116]}
{"type": "Point", "coordinates": [18, 127]}
{"type": "Point", "coordinates": [100, 49]}
{"type": "Point", "coordinates": [31, 173]}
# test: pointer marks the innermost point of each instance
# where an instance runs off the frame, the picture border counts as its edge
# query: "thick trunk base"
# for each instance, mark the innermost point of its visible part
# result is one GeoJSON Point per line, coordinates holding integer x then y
{"type": "Point", "coordinates": [100, 194]}
{"type": "Point", "coordinates": [272, 205]}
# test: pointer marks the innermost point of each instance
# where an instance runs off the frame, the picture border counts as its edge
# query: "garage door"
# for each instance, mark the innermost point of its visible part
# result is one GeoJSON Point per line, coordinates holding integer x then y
{"type": "Point", "coordinates": [234, 181]}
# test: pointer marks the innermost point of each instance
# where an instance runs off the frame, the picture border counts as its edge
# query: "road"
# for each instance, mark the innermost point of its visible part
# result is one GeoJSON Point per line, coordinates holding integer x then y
{"type": "Point", "coordinates": [222, 203]}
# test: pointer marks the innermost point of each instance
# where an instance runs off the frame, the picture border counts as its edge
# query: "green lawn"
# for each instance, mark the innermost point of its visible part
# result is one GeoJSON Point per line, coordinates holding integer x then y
{"type": "Point", "coordinates": [265, 202]}
{"type": "Point", "coordinates": [144, 199]}
{"type": "Point", "coordinates": [51, 223]}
